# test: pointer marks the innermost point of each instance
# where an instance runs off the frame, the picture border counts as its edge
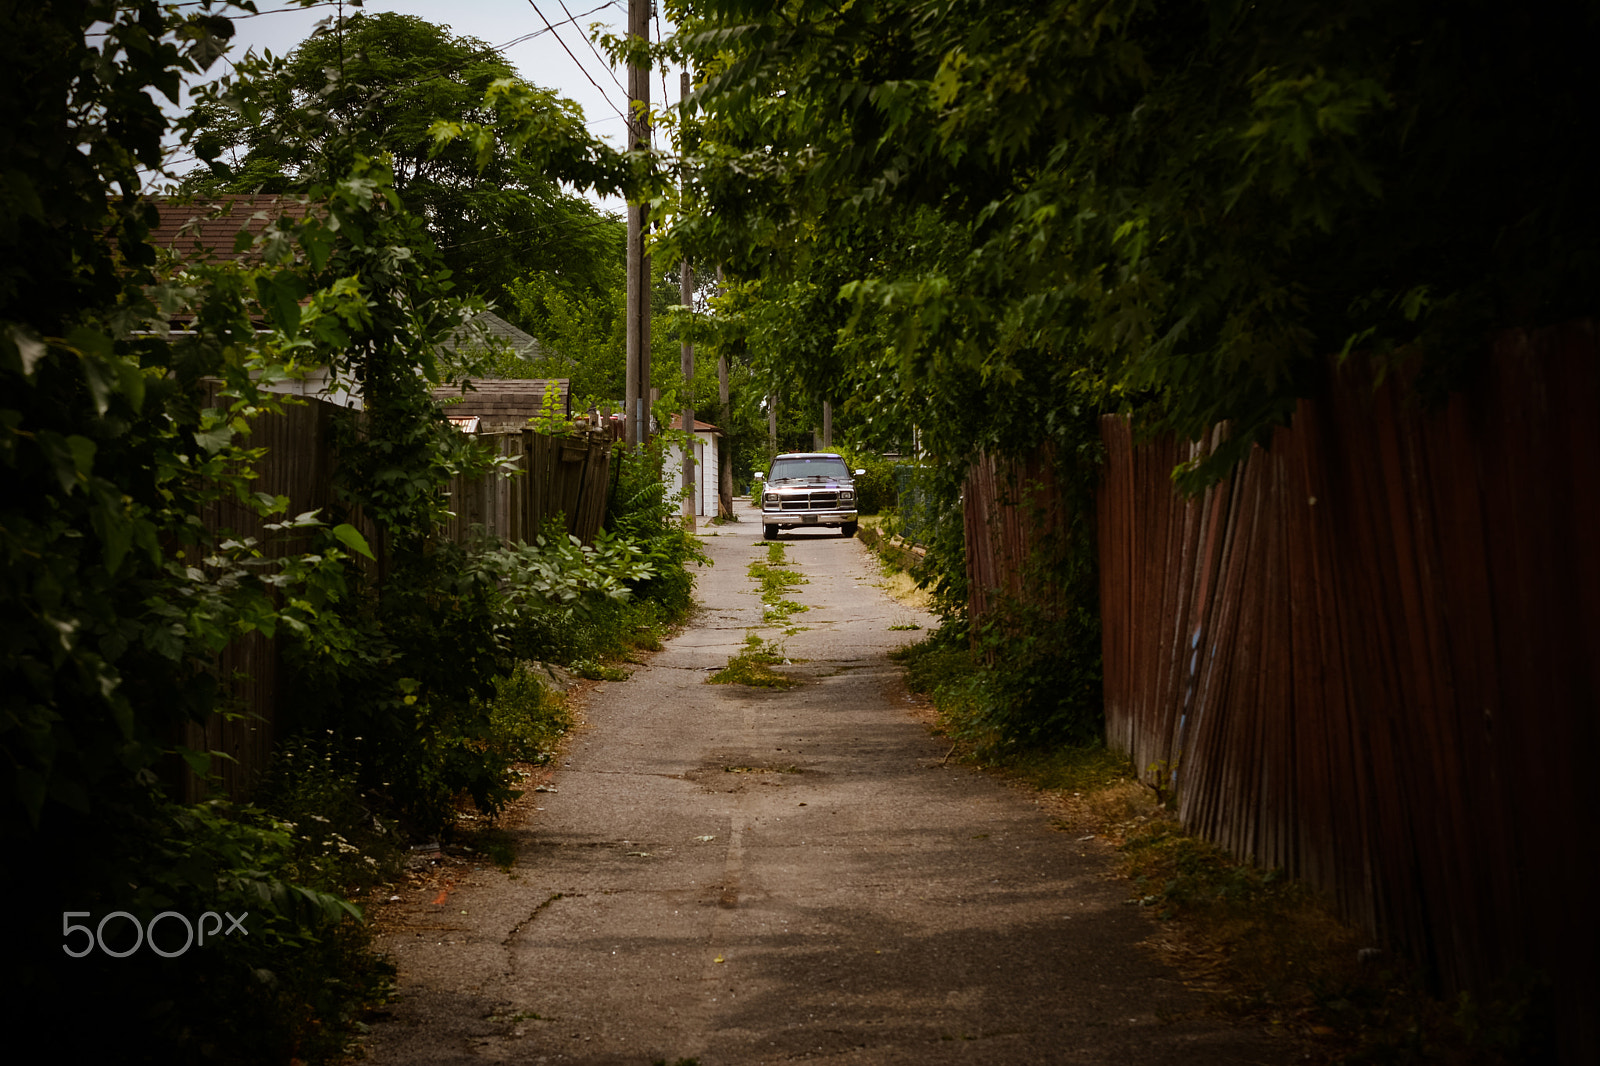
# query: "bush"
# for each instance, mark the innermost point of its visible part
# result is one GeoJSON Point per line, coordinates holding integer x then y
{"type": "Point", "coordinates": [876, 490]}
{"type": "Point", "coordinates": [641, 510]}
{"type": "Point", "coordinates": [1017, 687]}
{"type": "Point", "coordinates": [527, 720]}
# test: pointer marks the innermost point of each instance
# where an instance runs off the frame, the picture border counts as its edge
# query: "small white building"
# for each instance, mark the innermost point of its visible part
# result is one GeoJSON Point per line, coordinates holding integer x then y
{"type": "Point", "coordinates": [707, 456]}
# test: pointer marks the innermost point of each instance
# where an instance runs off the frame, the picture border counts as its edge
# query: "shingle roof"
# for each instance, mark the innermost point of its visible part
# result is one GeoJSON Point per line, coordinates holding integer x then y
{"type": "Point", "coordinates": [499, 401]}
{"type": "Point", "coordinates": [492, 326]}
{"type": "Point", "coordinates": [207, 229]}
{"type": "Point", "coordinates": [676, 422]}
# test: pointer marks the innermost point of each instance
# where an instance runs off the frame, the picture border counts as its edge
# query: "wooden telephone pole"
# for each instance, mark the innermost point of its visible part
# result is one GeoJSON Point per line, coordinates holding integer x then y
{"type": "Point", "coordinates": [686, 355]}
{"type": "Point", "coordinates": [725, 421]}
{"type": "Point", "coordinates": [637, 416]}
{"type": "Point", "coordinates": [692, 493]}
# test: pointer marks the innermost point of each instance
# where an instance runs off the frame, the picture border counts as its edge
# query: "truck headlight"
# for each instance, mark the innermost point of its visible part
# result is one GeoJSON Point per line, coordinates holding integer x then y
{"type": "Point", "coordinates": [769, 498]}
{"type": "Point", "coordinates": [846, 496]}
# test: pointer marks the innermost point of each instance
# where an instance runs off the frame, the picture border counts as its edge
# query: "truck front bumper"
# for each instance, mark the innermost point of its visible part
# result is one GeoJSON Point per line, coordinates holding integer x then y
{"type": "Point", "coordinates": [798, 519]}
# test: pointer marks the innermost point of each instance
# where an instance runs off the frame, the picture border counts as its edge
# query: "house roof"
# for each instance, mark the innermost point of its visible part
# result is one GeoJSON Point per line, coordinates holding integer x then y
{"type": "Point", "coordinates": [208, 228]}
{"type": "Point", "coordinates": [489, 328]}
{"type": "Point", "coordinates": [502, 400]}
{"type": "Point", "coordinates": [676, 422]}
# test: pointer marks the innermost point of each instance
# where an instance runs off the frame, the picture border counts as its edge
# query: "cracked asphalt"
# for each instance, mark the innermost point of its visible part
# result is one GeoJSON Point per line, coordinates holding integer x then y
{"type": "Point", "coordinates": [729, 875]}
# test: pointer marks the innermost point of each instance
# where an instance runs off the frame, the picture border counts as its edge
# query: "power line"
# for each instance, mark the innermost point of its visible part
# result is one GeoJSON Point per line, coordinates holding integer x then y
{"type": "Point", "coordinates": [574, 18]}
{"type": "Point", "coordinates": [584, 70]}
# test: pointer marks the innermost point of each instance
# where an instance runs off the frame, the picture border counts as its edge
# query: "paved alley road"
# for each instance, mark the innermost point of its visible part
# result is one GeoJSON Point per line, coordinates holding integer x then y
{"type": "Point", "coordinates": [740, 876]}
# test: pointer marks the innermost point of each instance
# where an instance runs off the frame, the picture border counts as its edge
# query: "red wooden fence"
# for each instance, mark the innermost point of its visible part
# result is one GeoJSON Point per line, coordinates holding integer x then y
{"type": "Point", "coordinates": [1013, 515]}
{"type": "Point", "coordinates": [1372, 658]}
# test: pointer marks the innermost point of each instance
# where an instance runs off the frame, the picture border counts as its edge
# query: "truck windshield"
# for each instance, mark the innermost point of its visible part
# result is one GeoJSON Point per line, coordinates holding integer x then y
{"type": "Point", "coordinates": [828, 466]}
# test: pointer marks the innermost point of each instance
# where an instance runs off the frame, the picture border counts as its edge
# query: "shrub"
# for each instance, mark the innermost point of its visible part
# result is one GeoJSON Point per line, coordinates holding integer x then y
{"type": "Point", "coordinates": [526, 718]}
{"type": "Point", "coordinates": [876, 490]}
{"type": "Point", "coordinates": [641, 510]}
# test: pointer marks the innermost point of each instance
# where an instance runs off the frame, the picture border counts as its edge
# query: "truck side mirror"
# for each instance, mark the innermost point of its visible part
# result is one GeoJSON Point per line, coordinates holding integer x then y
{"type": "Point", "coordinates": [861, 473]}
{"type": "Point", "coordinates": [758, 476]}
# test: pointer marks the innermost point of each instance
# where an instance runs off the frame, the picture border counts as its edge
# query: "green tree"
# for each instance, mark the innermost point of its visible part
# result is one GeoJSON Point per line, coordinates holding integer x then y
{"type": "Point", "coordinates": [1198, 201]}
{"type": "Point", "coordinates": [117, 594]}
{"type": "Point", "coordinates": [1002, 219]}
{"type": "Point", "coordinates": [584, 330]}
{"type": "Point", "coordinates": [375, 83]}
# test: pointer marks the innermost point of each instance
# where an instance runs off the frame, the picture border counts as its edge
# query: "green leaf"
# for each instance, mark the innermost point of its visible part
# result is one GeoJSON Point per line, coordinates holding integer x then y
{"type": "Point", "coordinates": [351, 538]}
{"type": "Point", "coordinates": [280, 297]}
{"type": "Point", "coordinates": [214, 435]}
{"type": "Point", "coordinates": [199, 761]}
{"type": "Point", "coordinates": [114, 528]}
{"type": "Point", "coordinates": [29, 348]}
{"type": "Point", "coordinates": [30, 789]}
{"type": "Point", "coordinates": [99, 364]}
{"type": "Point", "coordinates": [71, 457]}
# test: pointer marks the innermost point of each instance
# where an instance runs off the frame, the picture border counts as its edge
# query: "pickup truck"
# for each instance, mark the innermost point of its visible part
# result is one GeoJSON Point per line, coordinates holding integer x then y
{"type": "Point", "coordinates": [807, 489]}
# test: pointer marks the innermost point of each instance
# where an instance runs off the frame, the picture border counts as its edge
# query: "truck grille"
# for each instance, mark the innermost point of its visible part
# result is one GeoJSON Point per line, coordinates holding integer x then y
{"type": "Point", "coordinates": [810, 501]}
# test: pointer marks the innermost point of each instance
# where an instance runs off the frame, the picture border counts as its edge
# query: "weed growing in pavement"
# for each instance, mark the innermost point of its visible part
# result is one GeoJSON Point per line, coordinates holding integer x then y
{"type": "Point", "coordinates": [753, 666]}
{"type": "Point", "coordinates": [774, 580]}
{"type": "Point", "coordinates": [779, 612]}
{"type": "Point", "coordinates": [588, 668]}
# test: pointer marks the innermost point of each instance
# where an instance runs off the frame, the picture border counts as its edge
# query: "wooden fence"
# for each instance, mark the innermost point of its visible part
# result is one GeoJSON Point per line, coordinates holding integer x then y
{"type": "Point", "coordinates": [1372, 658]}
{"type": "Point", "coordinates": [299, 464]}
{"type": "Point", "coordinates": [562, 476]}
{"type": "Point", "coordinates": [1014, 519]}
{"type": "Point", "coordinates": [565, 476]}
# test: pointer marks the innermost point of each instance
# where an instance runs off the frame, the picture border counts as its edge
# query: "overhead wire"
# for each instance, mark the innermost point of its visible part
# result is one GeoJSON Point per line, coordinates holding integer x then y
{"type": "Point", "coordinates": [574, 18]}
{"type": "Point", "coordinates": [656, 14]}
{"type": "Point", "coordinates": [584, 70]}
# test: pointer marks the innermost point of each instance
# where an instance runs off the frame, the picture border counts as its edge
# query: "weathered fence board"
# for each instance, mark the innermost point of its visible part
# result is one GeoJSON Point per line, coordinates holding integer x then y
{"type": "Point", "coordinates": [565, 476]}
{"type": "Point", "coordinates": [298, 463]}
{"type": "Point", "coordinates": [1013, 515]}
{"type": "Point", "coordinates": [1372, 657]}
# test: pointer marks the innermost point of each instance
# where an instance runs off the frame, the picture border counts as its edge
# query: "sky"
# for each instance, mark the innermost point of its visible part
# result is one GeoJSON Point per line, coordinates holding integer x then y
{"type": "Point", "coordinates": [563, 58]}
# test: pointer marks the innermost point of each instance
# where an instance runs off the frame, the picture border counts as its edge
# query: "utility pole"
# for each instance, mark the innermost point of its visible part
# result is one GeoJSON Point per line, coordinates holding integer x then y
{"type": "Point", "coordinates": [686, 358]}
{"type": "Point", "coordinates": [638, 310]}
{"type": "Point", "coordinates": [725, 422]}
{"type": "Point", "coordinates": [691, 496]}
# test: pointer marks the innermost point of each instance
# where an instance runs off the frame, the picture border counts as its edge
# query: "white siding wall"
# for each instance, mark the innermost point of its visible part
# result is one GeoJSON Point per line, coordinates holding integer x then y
{"type": "Point", "coordinates": [707, 456]}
